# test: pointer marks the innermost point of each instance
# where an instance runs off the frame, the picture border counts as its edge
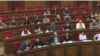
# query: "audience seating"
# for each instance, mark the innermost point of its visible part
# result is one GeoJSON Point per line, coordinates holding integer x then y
{"type": "Point", "coordinates": [65, 6]}
{"type": "Point", "coordinates": [77, 11]}
{"type": "Point", "coordinates": [33, 28]}
{"type": "Point", "coordinates": [28, 8]}
{"type": "Point", "coordinates": [37, 7]}
{"type": "Point", "coordinates": [47, 7]}
{"type": "Point", "coordinates": [74, 5]}
{"type": "Point", "coordinates": [62, 36]}
{"type": "Point", "coordinates": [14, 15]}
{"type": "Point", "coordinates": [8, 23]}
{"type": "Point", "coordinates": [21, 31]}
{"type": "Point", "coordinates": [56, 6]}
{"type": "Point", "coordinates": [87, 10]}
{"type": "Point", "coordinates": [6, 9]}
{"type": "Point", "coordinates": [32, 41]}
{"type": "Point", "coordinates": [36, 13]}
{"type": "Point", "coordinates": [62, 26]}
{"type": "Point", "coordinates": [79, 35]}
{"type": "Point", "coordinates": [3, 16]}
{"type": "Point", "coordinates": [8, 34]}
{"type": "Point", "coordinates": [26, 14]}
{"type": "Point", "coordinates": [79, 17]}
{"type": "Point", "coordinates": [89, 25]}
{"type": "Point", "coordinates": [18, 9]}
{"type": "Point", "coordinates": [83, 5]}
{"type": "Point", "coordinates": [21, 21]}
{"type": "Point", "coordinates": [88, 16]}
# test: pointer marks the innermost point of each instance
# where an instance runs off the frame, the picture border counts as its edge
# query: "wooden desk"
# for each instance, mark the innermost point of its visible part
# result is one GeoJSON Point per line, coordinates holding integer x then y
{"type": "Point", "coordinates": [9, 43]}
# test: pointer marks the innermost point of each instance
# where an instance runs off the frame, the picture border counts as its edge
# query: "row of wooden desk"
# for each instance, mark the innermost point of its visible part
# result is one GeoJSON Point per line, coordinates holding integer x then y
{"type": "Point", "coordinates": [69, 49]}
{"type": "Point", "coordinates": [9, 43]}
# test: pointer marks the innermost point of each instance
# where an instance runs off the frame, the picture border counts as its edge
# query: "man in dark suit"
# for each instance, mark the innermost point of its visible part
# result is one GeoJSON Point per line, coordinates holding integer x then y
{"type": "Point", "coordinates": [92, 16]}
{"type": "Point", "coordinates": [25, 21]}
{"type": "Point", "coordinates": [25, 46]}
{"type": "Point", "coordinates": [54, 39]}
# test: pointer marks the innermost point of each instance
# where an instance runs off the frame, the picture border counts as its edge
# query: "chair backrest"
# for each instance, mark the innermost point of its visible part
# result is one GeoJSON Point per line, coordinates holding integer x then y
{"type": "Point", "coordinates": [62, 26]}
{"type": "Point", "coordinates": [21, 21]}
{"type": "Point", "coordinates": [28, 8]}
{"type": "Point", "coordinates": [21, 31]}
{"type": "Point", "coordinates": [33, 28]}
{"type": "Point", "coordinates": [3, 16]}
{"type": "Point", "coordinates": [83, 5]}
{"type": "Point", "coordinates": [54, 18]}
{"type": "Point", "coordinates": [87, 10]}
{"type": "Point", "coordinates": [47, 7]}
{"type": "Point", "coordinates": [37, 7]}
{"type": "Point", "coordinates": [6, 9]}
{"type": "Point", "coordinates": [32, 41]}
{"type": "Point", "coordinates": [18, 9]}
{"type": "Point", "coordinates": [14, 15]}
{"type": "Point", "coordinates": [65, 6]}
{"type": "Point", "coordinates": [17, 45]}
{"type": "Point", "coordinates": [89, 25]}
{"type": "Point", "coordinates": [8, 23]}
{"type": "Point", "coordinates": [8, 34]}
{"type": "Point", "coordinates": [56, 6]}
{"type": "Point", "coordinates": [88, 16]}
{"type": "Point", "coordinates": [77, 11]}
{"type": "Point", "coordinates": [36, 13]}
{"type": "Point", "coordinates": [26, 14]}
{"type": "Point", "coordinates": [79, 17]}
{"type": "Point", "coordinates": [62, 36]}
{"type": "Point", "coordinates": [74, 5]}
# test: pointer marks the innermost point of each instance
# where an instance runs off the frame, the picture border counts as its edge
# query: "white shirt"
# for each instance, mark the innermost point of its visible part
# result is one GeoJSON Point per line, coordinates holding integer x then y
{"type": "Point", "coordinates": [97, 36]}
{"type": "Point", "coordinates": [23, 34]}
{"type": "Point", "coordinates": [79, 27]}
{"type": "Point", "coordinates": [82, 37]}
{"type": "Point", "coordinates": [56, 40]}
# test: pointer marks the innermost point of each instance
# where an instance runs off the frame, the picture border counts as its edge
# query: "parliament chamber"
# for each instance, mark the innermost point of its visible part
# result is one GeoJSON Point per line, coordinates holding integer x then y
{"type": "Point", "coordinates": [85, 12]}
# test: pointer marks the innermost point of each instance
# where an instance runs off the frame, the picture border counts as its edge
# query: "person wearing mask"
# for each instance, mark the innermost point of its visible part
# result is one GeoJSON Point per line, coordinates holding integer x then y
{"type": "Point", "coordinates": [55, 11]}
{"type": "Point", "coordinates": [67, 27]}
{"type": "Point", "coordinates": [37, 20]}
{"type": "Point", "coordinates": [66, 11]}
{"type": "Point", "coordinates": [26, 45]}
{"type": "Point", "coordinates": [37, 29]}
{"type": "Point", "coordinates": [2, 25]}
{"type": "Point", "coordinates": [13, 23]}
{"type": "Point", "coordinates": [57, 19]}
{"type": "Point", "coordinates": [82, 36]}
{"type": "Point", "coordinates": [92, 16]}
{"type": "Point", "coordinates": [26, 21]}
{"type": "Point", "coordinates": [46, 20]}
{"type": "Point", "coordinates": [66, 37]}
{"type": "Point", "coordinates": [97, 37]}
{"type": "Point", "coordinates": [80, 25]}
{"type": "Point", "coordinates": [54, 39]}
{"type": "Point", "coordinates": [25, 32]}
{"type": "Point", "coordinates": [37, 43]}
{"type": "Point", "coordinates": [67, 17]}
{"type": "Point", "coordinates": [47, 12]}
{"type": "Point", "coordinates": [52, 27]}
{"type": "Point", "coordinates": [94, 25]}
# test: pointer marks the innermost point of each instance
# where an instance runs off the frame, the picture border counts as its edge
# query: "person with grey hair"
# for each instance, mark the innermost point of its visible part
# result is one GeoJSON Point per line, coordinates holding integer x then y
{"type": "Point", "coordinates": [2, 25]}
{"type": "Point", "coordinates": [94, 25]}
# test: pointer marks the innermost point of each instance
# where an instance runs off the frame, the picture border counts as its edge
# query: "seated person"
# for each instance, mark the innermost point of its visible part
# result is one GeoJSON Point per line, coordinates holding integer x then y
{"type": "Point", "coordinates": [92, 16]}
{"type": "Point", "coordinates": [80, 25]}
{"type": "Point", "coordinates": [66, 37]}
{"type": "Point", "coordinates": [94, 25]}
{"type": "Point", "coordinates": [57, 19]}
{"type": "Point", "coordinates": [25, 32]}
{"type": "Point", "coordinates": [47, 12]}
{"type": "Point", "coordinates": [37, 29]}
{"type": "Point", "coordinates": [52, 27]}
{"type": "Point", "coordinates": [2, 25]}
{"type": "Point", "coordinates": [82, 36]}
{"type": "Point", "coordinates": [97, 37]}
{"type": "Point", "coordinates": [55, 11]}
{"type": "Point", "coordinates": [25, 46]}
{"type": "Point", "coordinates": [66, 11]}
{"type": "Point", "coordinates": [26, 21]}
{"type": "Point", "coordinates": [13, 23]}
{"type": "Point", "coordinates": [37, 43]}
{"type": "Point", "coordinates": [67, 17]}
{"type": "Point", "coordinates": [46, 20]}
{"type": "Point", "coordinates": [37, 20]}
{"type": "Point", "coordinates": [54, 39]}
{"type": "Point", "coordinates": [67, 27]}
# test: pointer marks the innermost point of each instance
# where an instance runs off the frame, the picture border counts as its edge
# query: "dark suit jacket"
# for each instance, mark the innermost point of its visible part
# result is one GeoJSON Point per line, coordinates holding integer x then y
{"type": "Point", "coordinates": [55, 12]}
{"type": "Point", "coordinates": [24, 45]}
{"type": "Point", "coordinates": [69, 27]}
{"type": "Point", "coordinates": [25, 22]}
{"type": "Point", "coordinates": [36, 21]}
{"type": "Point", "coordinates": [91, 17]}
{"type": "Point", "coordinates": [52, 39]}
{"type": "Point", "coordinates": [66, 39]}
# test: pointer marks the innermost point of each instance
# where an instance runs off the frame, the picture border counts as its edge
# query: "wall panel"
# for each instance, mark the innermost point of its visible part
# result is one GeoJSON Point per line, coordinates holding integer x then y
{"type": "Point", "coordinates": [34, 3]}
{"type": "Point", "coordinates": [67, 2]}
{"type": "Point", "coordinates": [3, 4]}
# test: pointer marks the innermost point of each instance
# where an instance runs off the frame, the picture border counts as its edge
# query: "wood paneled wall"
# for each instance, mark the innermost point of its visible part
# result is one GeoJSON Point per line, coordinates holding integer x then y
{"type": "Point", "coordinates": [67, 2]}
{"type": "Point", "coordinates": [3, 4]}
